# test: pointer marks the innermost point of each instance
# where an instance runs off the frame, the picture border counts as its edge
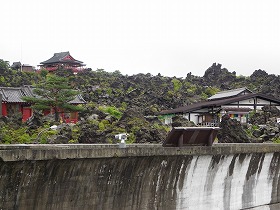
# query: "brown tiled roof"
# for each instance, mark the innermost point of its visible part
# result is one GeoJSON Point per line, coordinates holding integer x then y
{"type": "Point", "coordinates": [218, 103]}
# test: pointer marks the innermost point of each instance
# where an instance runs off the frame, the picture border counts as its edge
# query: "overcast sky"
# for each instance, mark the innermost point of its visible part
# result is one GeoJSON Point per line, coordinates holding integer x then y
{"type": "Point", "coordinates": [171, 37]}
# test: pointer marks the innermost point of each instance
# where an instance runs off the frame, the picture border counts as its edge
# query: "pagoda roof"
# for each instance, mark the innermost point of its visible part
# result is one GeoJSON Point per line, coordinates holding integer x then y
{"type": "Point", "coordinates": [62, 57]}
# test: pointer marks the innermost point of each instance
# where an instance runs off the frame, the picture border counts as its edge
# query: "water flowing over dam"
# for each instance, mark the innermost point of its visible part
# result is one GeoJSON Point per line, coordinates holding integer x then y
{"type": "Point", "coordinates": [236, 176]}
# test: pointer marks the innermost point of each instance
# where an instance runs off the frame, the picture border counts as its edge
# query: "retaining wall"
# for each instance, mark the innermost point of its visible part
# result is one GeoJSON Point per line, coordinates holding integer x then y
{"type": "Point", "coordinates": [225, 176]}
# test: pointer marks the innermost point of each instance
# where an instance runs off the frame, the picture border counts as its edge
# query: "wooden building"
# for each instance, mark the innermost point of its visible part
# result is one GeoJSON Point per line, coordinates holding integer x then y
{"type": "Point", "coordinates": [11, 103]}
{"type": "Point", "coordinates": [236, 103]}
{"type": "Point", "coordinates": [22, 67]}
{"type": "Point", "coordinates": [62, 60]}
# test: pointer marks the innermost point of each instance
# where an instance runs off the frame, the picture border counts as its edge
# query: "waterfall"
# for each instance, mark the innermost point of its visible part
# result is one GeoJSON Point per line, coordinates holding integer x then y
{"type": "Point", "coordinates": [227, 182]}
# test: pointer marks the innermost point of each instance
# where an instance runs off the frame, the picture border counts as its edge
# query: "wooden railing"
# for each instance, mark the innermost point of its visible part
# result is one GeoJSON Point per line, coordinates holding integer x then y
{"type": "Point", "coordinates": [209, 124]}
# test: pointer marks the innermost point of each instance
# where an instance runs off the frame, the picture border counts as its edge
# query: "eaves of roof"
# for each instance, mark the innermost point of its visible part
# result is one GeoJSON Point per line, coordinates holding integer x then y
{"type": "Point", "coordinates": [15, 94]}
{"type": "Point", "coordinates": [56, 57]}
{"type": "Point", "coordinates": [78, 100]}
{"type": "Point", "coordinates": [11, 95]}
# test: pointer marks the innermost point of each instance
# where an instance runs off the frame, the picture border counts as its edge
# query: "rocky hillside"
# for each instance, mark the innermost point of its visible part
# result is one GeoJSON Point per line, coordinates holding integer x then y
{"type": "Point", "coordinates": [156, 92]}
{"type": "Point", "coordinates": [122, 103]}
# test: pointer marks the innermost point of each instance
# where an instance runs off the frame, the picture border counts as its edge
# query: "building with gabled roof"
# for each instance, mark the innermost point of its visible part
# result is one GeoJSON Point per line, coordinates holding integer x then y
{"type": "Point", "coordinates": [230, 93]}
{"type": "Point", "coordinates": [238, 104]}
{"type": "Point", "coordinates": [22, 67]}
{"type": "Point", "coordinates": [62, 60]}
{"type": "Point", "coordinates": [11, 103]}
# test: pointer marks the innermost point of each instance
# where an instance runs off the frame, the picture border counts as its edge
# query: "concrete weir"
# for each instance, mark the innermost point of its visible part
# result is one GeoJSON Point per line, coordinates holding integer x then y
{"type": "Point", "coordinates": [224, 176]}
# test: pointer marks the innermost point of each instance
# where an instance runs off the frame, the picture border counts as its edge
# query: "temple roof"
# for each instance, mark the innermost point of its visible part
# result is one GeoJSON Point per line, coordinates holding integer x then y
{"type": "Point", "coordinates": [15, 94]}
{"type": "Point", "coordinates": [12, 94]}
{"type": "Point", "coordinates": [62, 57]}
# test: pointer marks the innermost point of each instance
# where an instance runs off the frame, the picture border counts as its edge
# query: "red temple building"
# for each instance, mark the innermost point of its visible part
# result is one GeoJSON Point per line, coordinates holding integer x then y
{"type": "Point", "coordinates": [62, 60]}
{"type": "Point", "coordinates": [11, 102]}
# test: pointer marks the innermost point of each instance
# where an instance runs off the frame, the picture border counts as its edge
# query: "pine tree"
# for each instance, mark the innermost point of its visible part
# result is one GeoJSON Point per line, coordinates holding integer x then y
{"type": "Point", "coordinates": [54, 93]}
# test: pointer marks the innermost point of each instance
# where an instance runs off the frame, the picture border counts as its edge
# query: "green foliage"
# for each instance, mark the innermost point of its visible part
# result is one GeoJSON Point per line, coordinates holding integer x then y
{"type": "Point", "coordinates": [45, 134]}
{"type": "Point", "coordinates": [192, 89]}
{"type": "Point", "coordinates": [75, 133]}
{"type": "Point", "coordinates": [162, 127]}
{"type": "Point", "coordinates": [44, 73]}
{"type": "Point", "coordinates": [176, 84]}
{"type": "Point", "coordinates": [55, 93]}
{"type": "Point", "coordinates": [203, 95]}
{"type": "Point", "coordinates": [11, 135]}
{"type": "Point", "coordinates": [73, 141]}
{"type": "Point", "coordinates": [209, 91]}
{"type": "Point", "coordinates": [131, 138]}
{"type": "Point", "coordinates": [123, 106]}
{"type": "Point", "coordinates": [111, 110]}
{"type": "Point", "coordinates": [101, 126]}
{"type": "Point", "coordinates": [2, 79]}
{"type": "Point", "coordinates": [4, 65]}
{"type": "Point", "coordinates": [251, 114]}
{"type": "Point", "coordinates": [276, 140]}
{"type": "Point", "coordinates": [109, 91]}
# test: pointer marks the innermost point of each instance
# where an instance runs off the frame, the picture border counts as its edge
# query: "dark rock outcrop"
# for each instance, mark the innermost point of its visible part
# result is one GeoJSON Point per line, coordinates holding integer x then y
{"type": "Point", "coordinates": [232, 131]}
{"type": "Point", "coordinates": [179, 121]}
{"type": "Point", "coordinates": [35, 121]}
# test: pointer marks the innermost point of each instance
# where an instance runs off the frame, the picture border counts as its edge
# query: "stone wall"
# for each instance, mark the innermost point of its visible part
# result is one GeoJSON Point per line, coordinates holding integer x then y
{"type": "Point", "coordinates": [139, 177]}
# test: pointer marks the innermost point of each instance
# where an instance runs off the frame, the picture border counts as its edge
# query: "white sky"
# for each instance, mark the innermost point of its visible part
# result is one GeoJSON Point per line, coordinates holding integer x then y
{"type": "Point", "coordinates": [171, 37]}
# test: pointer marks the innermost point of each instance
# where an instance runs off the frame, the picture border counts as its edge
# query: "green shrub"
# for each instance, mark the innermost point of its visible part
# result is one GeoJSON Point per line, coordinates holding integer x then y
{"type": "Point", "coordinates": [111, 110]}
{"type": "Point", "coordinates": [276, 140]}
{"type": "Point", "coordinates": [131, 138]}
{"type": "Point", "coordinates": [72, 141]}
{"type": "Point", "coordinates": [176, 84]}
{"type": "Point", "coordinates": [11, 135]}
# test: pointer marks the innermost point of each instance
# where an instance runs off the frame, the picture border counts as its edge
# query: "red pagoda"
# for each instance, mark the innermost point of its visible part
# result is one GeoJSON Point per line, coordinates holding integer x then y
{"type": "Point", "coordinates": [62, 60]}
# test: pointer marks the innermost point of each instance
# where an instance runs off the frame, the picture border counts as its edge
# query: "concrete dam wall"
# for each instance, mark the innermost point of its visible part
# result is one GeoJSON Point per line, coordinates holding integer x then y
{"type": "Point", "coordinates": [62, 177]}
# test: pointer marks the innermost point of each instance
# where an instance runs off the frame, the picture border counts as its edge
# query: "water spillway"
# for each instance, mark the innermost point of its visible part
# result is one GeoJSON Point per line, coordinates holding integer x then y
{"type": "Point", "coordinates": [232, 176]}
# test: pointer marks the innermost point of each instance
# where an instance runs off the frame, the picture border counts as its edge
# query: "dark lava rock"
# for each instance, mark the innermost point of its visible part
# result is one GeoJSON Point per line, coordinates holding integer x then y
{"type": "Point", "coordinates": [65, 130]}
{"type": "Point", "coordinates": [90, 133]}
{"type": "Point", "coordinates": [262, 117]}
{"type": "Point", "coordinates": [91, 112]}
{"type": "Point", "coordinates": [148, 135]}
{"type": "Point", "coordinates": [179, 121]}
{"type": "Point", "coordinates": [35, 121]}
{"type": "Point", "coordinates": [232, 131]}
{"type": "Point", "coordinates": [59, 139]}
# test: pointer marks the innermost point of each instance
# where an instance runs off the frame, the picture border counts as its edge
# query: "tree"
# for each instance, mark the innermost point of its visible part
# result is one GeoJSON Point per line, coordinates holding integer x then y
{"type": "Point", "coordinates": [54, 93]}
{"type": "Point", "coordinates": [4, 65]}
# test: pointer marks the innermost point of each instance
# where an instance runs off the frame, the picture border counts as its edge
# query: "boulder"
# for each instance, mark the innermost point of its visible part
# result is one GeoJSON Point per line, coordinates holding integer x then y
{"type": "Point", "coordinates": [90, 133]}
{"type": "Point", "coordinates": [150, 135]}
{"type": "Point", "coordinates": [35, 121]}
{"type": "Point", "coordinates": [232, 131]}
{"type": "Point", "coordinates": [179, 121]}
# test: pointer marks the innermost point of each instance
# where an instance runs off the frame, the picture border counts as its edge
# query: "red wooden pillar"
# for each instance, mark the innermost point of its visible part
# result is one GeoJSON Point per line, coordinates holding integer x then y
{"type": "Point", "coordinates": [4, 109]}
{"type": "Point", "coordinates": [26, 113]}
